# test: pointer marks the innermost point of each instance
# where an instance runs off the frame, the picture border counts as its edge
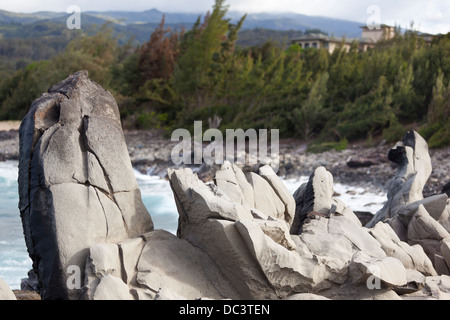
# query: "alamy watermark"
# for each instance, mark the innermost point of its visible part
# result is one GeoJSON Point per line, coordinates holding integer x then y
{"type": "Point", "coordinates": [73, 281]}
{"type": "Point", "coordinates": [374, 20]}
{"type": "Point", "coordinates": [74, 21]}
{"type": "Point", "coordinates": [251, 147]}
{"type": "Point", "coordinates": [374, 281]}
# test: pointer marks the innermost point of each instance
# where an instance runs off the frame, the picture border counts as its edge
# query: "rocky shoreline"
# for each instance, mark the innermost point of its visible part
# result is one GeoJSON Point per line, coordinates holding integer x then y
{"type": "Point", "coordinates": [241, 236]}
{"type": "Point", "coordinates": [359, 166]}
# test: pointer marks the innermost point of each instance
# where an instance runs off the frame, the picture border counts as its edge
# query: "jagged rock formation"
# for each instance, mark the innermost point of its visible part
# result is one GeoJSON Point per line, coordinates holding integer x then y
{"type": "Point", "coordinates": [411, 155]}
{"type": "Point", "coordinates": [76, 184]}
{"type": "Point", "coordinates": [417, 220]}
{"type": "Point", "coordinates": [241, 236]}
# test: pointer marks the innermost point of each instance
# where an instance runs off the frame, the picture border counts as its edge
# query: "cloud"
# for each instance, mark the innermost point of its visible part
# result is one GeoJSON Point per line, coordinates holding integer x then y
{"type": "Point", "coordinates": [431, 15]}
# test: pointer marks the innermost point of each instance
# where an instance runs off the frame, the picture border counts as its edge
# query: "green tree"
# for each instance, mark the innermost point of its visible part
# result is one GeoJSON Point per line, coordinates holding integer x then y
{"type": "Point", "coordinates": [437, 128]}
{"type": "Point", "coordinates": [206, 59]}
{"type": "Point", "coordinates": [93, 53]}
{"type": "Point", "coordinates": [312, 114]}
{"type": "Point", "coordinates": [368, 115]}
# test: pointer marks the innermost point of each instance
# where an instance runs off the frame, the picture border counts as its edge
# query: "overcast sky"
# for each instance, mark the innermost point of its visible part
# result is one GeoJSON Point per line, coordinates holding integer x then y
{"type": "Point", "coordinates": [431, 16]}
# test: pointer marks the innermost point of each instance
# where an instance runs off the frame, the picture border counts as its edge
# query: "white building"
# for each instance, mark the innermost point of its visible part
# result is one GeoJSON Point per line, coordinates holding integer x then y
{"type": "Point", "coordinates": [384, 32]}
{"type": "Point", "coordinates": [369, 38]}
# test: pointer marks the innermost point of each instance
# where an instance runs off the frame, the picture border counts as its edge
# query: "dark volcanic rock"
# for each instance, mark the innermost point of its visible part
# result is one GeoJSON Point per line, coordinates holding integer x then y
{"type": "Point", "coordinates": [446, 189]}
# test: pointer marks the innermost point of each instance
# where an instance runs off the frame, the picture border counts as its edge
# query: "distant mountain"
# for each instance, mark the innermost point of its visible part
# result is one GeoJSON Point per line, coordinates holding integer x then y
{"type": "Point", "coordinates": [273, 21]}
{"type": "Point", "coordinates": [7, 17]}
{"type": "Point", "coordinates": [300, 22]}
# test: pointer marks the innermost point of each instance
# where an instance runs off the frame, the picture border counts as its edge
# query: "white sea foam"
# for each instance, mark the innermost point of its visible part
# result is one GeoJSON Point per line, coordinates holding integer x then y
{"type": "Point", "coordinates": [355, 198]}
{"type": "Point", "coordinates": [9, 171]}
{"type": "Point", "coordinates": [159, 201]}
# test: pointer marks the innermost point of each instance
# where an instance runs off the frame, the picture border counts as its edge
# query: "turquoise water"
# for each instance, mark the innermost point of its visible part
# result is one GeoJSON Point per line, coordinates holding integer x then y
{"type": "Point", "coordinates": [14, 260]}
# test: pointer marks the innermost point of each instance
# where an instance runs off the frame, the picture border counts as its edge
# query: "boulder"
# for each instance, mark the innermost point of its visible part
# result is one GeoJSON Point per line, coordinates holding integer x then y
{"type": "Point", "coordinates": [76, 183]}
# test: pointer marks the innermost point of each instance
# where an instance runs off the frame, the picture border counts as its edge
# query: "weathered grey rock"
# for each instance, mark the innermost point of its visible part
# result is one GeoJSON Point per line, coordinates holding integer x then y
{"type": "Point", "coordinates": [261, 260]}
{"type": "Point", "coordinates": [306, 296]}
{"type": "Point", "coordinates": [5, 291]}
{"type": "Point", "coordinates": [415, 281]}
{"type": "Point", "coordinates": [174, 264]}
{"type": "Point", "coordinates": [286, 271]}
{"type": "Point", "coordinates": [282, 192]}
{"type": "Point", "coordinates": [334, 251]}
{"type": "Point", "coordinates": [411, 155]}
{"type": "Point", "coordinates": [360, 292]}
{"type": "Point", "coordinates": [157, 265]}
{"type": "Point", "coordinates": [359, 236]}
{"type": "Point", "coordinates": [435, 288]}
{"type": "Point", "coordinates": [233, 258]}
{"type": "Point", "coordinates": [207, 221]}
{"type": "Point", "coordinates": [76, 184]}
{"type": "Point", "coordinates": [389, 271]}
{"type": "Point", "coordinates": [435, 206]}
{"type": "Point", "coordinates": [412, 257]}
{"type": "Point", "coordinates": [317, 196]}
{"type": "Point", "coordinates": [445, 251]}
{"type": "Point", "coordinates": [444, 219]}
{"type": "Point", "coordinates": [427, 232]}
{"type": "Point", "coordinates": [440, 265]}
{"type": "Point", "coordinates": [266, 199]}
{"type": "Point", "coordinates": [111, 288]}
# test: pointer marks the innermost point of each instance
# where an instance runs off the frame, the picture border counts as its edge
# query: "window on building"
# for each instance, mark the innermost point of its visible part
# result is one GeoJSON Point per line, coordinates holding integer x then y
{"type": "Point", "coordinates": [314, 45]}
{"type": "Point", "coordinates": [306, 45]}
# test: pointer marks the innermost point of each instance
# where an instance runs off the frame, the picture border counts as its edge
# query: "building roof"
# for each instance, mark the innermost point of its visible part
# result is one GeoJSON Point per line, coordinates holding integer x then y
{"type": "Point", "coordinates": [321, 36]}
{"type": "Point", "coordinates": [313, 36]}
{"type": "Point", "coordinates": [382, 26]}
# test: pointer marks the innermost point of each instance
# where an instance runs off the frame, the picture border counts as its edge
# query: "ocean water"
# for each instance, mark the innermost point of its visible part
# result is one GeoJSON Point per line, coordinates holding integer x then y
{"type": "Point", "coordinates": [14, 260]}
{"type": "Point", "coordinates": [157, 197]}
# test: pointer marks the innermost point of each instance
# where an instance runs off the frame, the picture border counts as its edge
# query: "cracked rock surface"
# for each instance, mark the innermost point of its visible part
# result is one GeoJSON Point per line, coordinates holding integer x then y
{"type": "Point", "coordinates": [76, 182]}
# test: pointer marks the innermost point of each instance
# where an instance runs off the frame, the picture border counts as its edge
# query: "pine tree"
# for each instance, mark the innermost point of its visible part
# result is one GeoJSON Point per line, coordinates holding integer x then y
{"type": "Point", "coordinates": [311, 112]}
{"type": "Point", "coordinates": [158, 56]}
{"type": "Point", "coordinates": [437, 129]}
